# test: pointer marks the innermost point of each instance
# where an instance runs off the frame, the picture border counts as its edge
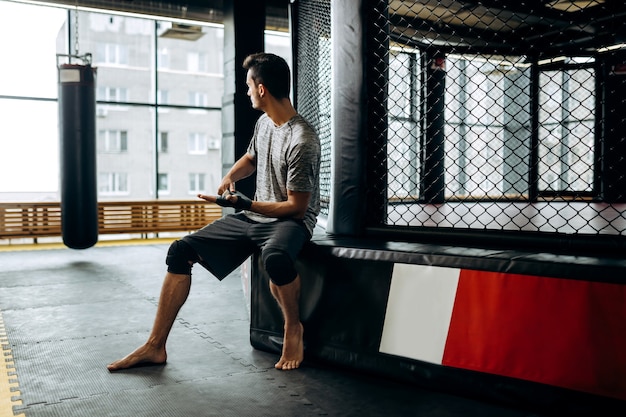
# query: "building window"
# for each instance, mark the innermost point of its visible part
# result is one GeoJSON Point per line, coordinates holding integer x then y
{"type": "Point", "coordinates": [109, 53]}
{"type": "Point", "coordinates": [196, 183]}
{"type": "Point", "coordinates": [197, 143]}
{"type": "Point", "coordinates": [117, 94]}
{"type": "Point", "coordinates": [198, 99]}
{"type": "Point", "coordinates": [112, 94]}
{"type": "Point", "coordinates": [113, 183]}
{"type": "Point", "coordinates": [163, 183]}
{"type": "Point", "coordinates": [163, 97]}
{"type": "Point", "coordinates": [114, 141]}
{"type": "Point", "coordinates": [163, 58]}
{"type": "Point", "coordinates": [197, 62]}
{"type": "Point", "coordinates": [163, 142]}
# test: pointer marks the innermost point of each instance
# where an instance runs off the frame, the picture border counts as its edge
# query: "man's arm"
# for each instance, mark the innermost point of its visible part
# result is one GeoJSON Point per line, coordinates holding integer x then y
{"type": "Point", "coordinates": [243, 168]}
{"type": "Point", "coordinates": [294, 207]}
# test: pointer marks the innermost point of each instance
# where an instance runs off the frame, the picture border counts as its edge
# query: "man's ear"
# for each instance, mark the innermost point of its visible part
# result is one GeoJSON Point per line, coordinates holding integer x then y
{"type": "Point", "coordinates": [262, 90]}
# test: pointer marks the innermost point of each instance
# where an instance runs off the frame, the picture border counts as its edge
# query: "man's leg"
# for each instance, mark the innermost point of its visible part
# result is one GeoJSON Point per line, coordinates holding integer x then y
{"type": "Point", "coordinates": [288, 297]}
{"type": "Point", "coordinates": [173, 295]}
{"type": "Point", "coordinates": [280, 244]}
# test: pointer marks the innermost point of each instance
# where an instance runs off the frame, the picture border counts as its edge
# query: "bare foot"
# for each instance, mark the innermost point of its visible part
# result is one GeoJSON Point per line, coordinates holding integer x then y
{"type": "Point", "coordinates": [293, 349]}
{"type": "Point", "coordinates": [145, 355]}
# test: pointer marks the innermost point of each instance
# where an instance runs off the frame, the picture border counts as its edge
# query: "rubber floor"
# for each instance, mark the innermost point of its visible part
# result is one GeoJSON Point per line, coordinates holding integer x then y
{"type": "Point", "coordinates": [67, 313]}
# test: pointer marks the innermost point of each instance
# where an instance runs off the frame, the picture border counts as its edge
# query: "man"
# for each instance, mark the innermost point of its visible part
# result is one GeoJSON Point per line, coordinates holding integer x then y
{"type": "Point", "coordinates": [285, 154]}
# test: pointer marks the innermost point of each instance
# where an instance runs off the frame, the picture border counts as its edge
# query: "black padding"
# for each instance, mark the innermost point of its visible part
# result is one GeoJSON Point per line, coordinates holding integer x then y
{"type": "Point", "coordinates": [180, 258]}
{"type": "Point", "coordinates": [608, 269]}
{"type": "Point", "coordinates": [352, 104]}
{"type": "Point", "coordinates": [279, 266]}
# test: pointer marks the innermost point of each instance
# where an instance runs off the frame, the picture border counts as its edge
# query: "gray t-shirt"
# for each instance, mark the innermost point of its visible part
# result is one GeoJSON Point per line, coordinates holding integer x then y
{"type": "Point", "coordinates": [287, 158]}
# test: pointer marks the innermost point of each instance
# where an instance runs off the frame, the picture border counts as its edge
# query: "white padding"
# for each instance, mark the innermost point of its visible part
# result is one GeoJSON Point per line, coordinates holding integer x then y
{"type": "Point", "coordinates": [418, 314]}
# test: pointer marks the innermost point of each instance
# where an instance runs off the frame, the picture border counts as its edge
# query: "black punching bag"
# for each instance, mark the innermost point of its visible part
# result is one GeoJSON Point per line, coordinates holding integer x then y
{"type": "Point", "coordinates": [77, 132]}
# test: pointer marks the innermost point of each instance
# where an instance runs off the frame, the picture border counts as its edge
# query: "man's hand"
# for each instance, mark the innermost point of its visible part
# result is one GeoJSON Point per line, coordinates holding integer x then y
{"type": "Point", "coordinates": [225, 186]}
{"type": "Point", "coordinates": [229, 199]}
{"type": "Point", "coordinates": [209, 198]}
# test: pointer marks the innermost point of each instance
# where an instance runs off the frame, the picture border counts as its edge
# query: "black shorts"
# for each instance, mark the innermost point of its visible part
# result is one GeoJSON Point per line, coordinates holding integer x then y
{"type": "Point", "coordinates": [226, 243]}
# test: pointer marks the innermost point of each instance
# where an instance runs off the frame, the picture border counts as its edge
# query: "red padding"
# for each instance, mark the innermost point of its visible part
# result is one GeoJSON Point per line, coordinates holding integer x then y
{"type": "Point", "coordinates": [560, 332]}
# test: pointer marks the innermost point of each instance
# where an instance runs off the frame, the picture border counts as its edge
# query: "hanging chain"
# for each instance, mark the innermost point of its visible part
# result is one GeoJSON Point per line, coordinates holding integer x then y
{"type": "Point", "coordinates": [76, 29]}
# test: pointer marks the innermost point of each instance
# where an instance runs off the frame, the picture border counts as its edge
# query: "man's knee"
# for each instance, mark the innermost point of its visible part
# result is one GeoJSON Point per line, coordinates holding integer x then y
{"type": "Point", "coordinates": [180, 258]}
{"type": "Point", "coordinates": [279, 266]}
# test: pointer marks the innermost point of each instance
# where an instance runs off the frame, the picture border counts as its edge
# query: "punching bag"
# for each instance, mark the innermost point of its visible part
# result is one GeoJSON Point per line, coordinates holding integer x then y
{"type": "Point", "coordinates": [77, 133]}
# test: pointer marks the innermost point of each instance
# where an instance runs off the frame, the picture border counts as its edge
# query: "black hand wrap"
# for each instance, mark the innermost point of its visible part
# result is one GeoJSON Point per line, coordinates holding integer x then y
{"type": "Point", "coordinates": [242, 202]}
{"type": "Point", "coordinates": [221, 200]}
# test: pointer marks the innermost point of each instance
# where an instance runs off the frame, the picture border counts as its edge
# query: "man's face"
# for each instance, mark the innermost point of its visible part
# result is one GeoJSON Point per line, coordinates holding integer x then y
{"type": "Point", "coordinates": [253, 92]}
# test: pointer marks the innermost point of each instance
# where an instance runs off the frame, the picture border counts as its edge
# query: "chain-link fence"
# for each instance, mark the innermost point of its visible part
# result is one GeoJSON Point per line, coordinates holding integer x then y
{"type": "Point", "coordinates": [498, 114]}
{"type": "Point", "coordinates": [313, 77]}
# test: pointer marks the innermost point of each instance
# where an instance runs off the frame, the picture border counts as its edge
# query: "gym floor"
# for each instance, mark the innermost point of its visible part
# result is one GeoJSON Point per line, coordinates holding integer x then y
{"type": "Point", "coordinates": [65, 314]}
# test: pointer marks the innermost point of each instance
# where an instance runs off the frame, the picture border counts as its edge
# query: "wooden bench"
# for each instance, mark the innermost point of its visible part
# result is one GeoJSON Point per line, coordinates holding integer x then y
{"type": "Point", "coordinates": [43, 219]}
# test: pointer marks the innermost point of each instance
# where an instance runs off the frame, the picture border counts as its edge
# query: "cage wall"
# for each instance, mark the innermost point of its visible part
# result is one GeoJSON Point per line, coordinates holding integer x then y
{"type": "Point", "coordinates": [498, 120]}
{"type": "Point", "coordinates": [312, 75]}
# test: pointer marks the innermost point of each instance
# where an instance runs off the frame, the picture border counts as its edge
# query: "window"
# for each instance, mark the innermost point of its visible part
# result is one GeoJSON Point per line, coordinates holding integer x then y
{"type": "Point", "coordinates": [487, 131]}
{"type": "Point", "coordinates": [125, 52]}
{"type": "Point", "coordinates": [112, 94]}
{"type": "Point", "coordinates": [109, 53]}
{"type": "Point", "coordinates": [113, 141]}
{"type": "Point", "coordinates": [162, 145]}
{"type": "Point", "coordinates": [198, 99]}
{"type": "Point", "coordinates": [163, 183]}
{"type": "Point", "coordinates": [498, 149]}
{"type": "Point", "coordinates": [488, 127]}
{"type": "Point", "coordinates": [113, 183]}
{"type": "Point", "coordinates": [141, 27]}
{"type": "Point", "coordinates": [197, 62]}
{"type": "Point", "coordinates": [403, 133]}
{"type": "Point", "coordinates": [163, 97]}
{"type": "Point", "coordinates": [197, 143]}
{"type": "Point", "coordinates": [104, 23]}
{"type": "Point", "coordinates": [566, 130]}
{"type": "Point", "coordinates": [163, 58]}
{"type": "Point", "coordinates": [196, 183]}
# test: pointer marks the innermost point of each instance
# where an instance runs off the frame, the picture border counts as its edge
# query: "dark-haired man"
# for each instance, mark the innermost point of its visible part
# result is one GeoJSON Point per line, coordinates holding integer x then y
{"type": "Point", "coordinates": [285, 154]}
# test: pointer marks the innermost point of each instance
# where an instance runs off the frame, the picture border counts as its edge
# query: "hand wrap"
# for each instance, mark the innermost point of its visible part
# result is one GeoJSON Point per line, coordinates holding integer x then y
{"type": "Point", "coordinates": [242, 202]}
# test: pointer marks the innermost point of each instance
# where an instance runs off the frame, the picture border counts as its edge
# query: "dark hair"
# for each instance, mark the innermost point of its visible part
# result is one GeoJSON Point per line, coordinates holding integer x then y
{"type": "Point", "coordinates": [270, 70]}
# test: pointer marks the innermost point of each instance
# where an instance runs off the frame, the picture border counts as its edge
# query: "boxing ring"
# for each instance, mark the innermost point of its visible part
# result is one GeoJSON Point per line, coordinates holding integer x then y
{"type": "Point", "coordinates": [518, 300]}
{"type": "Point", "coordinates": [508, 326]}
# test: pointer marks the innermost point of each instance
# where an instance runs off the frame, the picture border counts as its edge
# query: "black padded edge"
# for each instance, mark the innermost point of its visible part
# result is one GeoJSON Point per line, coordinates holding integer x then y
{"type": "Point", "coordinates": [588, 268]}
